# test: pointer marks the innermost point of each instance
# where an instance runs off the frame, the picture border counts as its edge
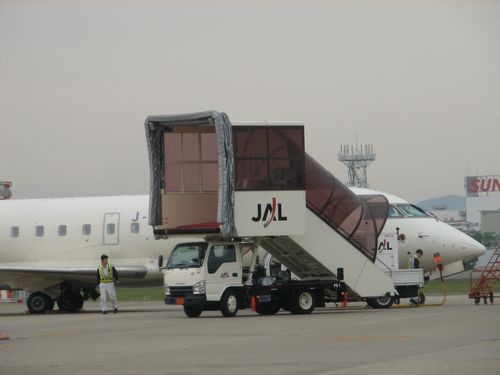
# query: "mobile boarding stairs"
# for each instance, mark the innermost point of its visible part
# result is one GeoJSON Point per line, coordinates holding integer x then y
{"type": "Point", "coordinates": [253, 181]}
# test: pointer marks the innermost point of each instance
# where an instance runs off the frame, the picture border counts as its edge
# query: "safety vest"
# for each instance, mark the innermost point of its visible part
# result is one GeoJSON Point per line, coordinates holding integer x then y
{"type": "Point", "coordinates": [411, 261]}
{"type": "Point", "coordinates": [102, 275]}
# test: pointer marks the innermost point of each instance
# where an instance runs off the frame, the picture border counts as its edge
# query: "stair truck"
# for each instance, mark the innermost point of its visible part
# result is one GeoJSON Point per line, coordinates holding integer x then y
{"type": "Point", "coordinates": [242, 185]}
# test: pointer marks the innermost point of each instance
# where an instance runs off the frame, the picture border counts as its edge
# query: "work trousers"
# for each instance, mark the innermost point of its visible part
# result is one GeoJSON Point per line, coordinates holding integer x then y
{"type": "Point", "coordinates": [107, 290]}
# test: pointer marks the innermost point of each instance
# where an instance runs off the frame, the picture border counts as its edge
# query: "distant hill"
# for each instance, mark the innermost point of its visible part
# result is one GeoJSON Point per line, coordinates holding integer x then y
{"type": "Point", "coordinates": [452, 202]}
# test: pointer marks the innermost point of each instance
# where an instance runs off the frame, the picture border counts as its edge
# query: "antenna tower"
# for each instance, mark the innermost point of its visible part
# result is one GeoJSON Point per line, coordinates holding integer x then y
{"type": "Point", "coordinates": [357, 160]}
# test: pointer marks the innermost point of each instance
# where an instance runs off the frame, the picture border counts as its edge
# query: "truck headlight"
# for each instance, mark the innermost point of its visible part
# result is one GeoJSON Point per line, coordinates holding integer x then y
{"type": "Point", "coordinates": [166, 289]}
{"type": "Point", "coordinates": [199, 287]}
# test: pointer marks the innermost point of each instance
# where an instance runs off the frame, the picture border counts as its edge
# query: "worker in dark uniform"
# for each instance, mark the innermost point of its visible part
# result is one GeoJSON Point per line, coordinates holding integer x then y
{"type": "Point", "coordinates": [414, 263]}
{"type": "Point", "coordinates": [106, 277]}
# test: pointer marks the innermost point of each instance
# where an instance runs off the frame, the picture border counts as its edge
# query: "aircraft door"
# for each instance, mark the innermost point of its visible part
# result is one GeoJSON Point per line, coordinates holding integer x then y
{"type": "Point", "coordinates": [111, 228]}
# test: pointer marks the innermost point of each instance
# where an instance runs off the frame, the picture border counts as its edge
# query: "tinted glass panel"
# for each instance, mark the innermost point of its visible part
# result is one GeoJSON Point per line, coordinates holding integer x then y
{"type": "Point", "coordinates": [411, 210]}
{"type": "Point", "coordinates": [110, 228]}
{"type": "Point", "coordinates": [174, 177]}
{"type": "Point", "coordinates": [191, 177]}
{"type": "Point", "coordinates": [62, 230]}
{"type": "Point", "coordinates": [393, 212]}
{"type": "Point", "coordinates": [219, 255]}
{"type": "Point", "coordinates": [134, 228]}
{"type": "Point", "coordinates": [173, 147]}
{"type": "Point", "coordinates": [208, 147]}
{"type": "Point", "coordinates": [39, 230]}
{"type": "Point", "coordinates": [358, 220]}
{"type": "Point", "coordinates": [269, 158]}
{"type": "Point", "coordinates": [209, 177]}
{"type": "Point", "coordinates": [14, 232]}
{"type": "Point", "coordinates": [86, 229]}
{"type": "Point", "coordinates": [190, 147]}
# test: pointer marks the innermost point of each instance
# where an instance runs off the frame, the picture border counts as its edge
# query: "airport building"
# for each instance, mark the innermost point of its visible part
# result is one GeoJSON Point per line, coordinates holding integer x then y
{"type": "Point", "coordinates": [483, 202]}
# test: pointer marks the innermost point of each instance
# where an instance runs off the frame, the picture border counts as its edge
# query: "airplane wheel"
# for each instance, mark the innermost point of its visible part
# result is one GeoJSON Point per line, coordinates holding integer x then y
{"type": "Point", "coordinates": [70, 302]}
{"type": "Point", "coordinates": [39, 303]}
{"type": "Point", "coordinates": [380, 302]}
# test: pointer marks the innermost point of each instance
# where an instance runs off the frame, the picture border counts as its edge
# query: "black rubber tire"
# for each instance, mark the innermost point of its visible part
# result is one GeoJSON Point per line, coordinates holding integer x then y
{"type": "Point", "coordinates": [421, 298]}
{"type": "Point", "coordinates": [70, 302]}
{"type": "Point", "coordinates": [39, 303]}
{"type": "Point", "coordinates": [229, 303]}
{"type": "Point", "coordinates": [51, 303]}
{"type": "Point", "coordinates": [380, 302]}
{"type": "Point", "coordinates": [269, 308]}
{"type": "Point", "coordinates": [192, 312]}
{"type": "Point", "coordinates": [303, 302]}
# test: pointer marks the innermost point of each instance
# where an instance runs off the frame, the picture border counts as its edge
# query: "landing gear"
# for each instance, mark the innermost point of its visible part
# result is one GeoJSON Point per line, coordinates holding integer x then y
{"type": "Point", "coordinates": [39, 303]}
{"type": "Point", "coordinates": [69, 300]}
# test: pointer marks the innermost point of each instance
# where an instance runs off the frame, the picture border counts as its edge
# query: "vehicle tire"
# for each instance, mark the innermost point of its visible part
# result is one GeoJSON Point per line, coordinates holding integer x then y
{"type": "Point", "coordinates": [303, 302]}
{"type": "Point", "coordinates": [39, 303]}
{"type": "Point", "coordinates": [192, 312]}
{"type": "Point", "coordinates": [229, 303]}
{"type": "Point", "coordinates": [421, 298]}
{"type": "Point", "coordinates": [380, 302]}
{"type": "Point", "coordinates": [268, 308]}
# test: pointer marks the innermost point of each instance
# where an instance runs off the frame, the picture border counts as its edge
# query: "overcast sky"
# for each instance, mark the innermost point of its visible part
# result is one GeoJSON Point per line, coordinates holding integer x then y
{"type": "Point", "coordinates": [418, 79]}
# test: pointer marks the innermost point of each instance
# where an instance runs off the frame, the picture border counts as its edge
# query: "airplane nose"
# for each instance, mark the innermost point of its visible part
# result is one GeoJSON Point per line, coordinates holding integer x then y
{"type": "Point", "coordinates": [472, 248]}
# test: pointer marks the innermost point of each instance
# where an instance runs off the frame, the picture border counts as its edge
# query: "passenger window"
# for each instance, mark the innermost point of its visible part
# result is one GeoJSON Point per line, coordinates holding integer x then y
{"type": "Point", "coordinates": [86, 229]}
{"type": "Point", "coordinates": [14, 232]}
{"type": "Point", "coordinates": [219, 255]}
{"type": "Point", "coordinates": [110, 228]}
{"type": "Point", "coordinates": [39, 230]}
{"type": "Point", "coordinates": [134, 228]}
{"type": "Point", "coordinates": [62, 230]}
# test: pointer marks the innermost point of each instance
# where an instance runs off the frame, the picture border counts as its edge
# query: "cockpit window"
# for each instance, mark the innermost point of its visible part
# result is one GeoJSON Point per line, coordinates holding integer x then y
{"type": "Point", "coordinates": [411, 211]}
{"type": "Point", "coordinates": [393, 212]}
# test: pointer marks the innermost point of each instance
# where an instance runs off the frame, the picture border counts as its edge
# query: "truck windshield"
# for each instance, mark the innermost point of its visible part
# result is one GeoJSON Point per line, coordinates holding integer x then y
{"type": "Point", "coordinates": [187, 256]}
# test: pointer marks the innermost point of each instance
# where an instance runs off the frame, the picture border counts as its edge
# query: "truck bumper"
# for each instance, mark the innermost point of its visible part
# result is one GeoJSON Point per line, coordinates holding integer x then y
{"type": "Point", "coordinates": [191, 300]}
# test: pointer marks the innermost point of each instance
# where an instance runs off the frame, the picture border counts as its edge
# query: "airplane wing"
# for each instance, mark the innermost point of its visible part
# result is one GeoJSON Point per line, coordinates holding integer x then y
{"type": "Point", "coordinates": [35, 277]}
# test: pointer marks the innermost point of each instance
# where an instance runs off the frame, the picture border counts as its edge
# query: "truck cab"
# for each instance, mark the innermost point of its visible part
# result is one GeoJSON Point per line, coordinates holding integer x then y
{"type": "Point", "coordinates": [198, 274]}
{"type": "Point", "coordinates": [211, 276]}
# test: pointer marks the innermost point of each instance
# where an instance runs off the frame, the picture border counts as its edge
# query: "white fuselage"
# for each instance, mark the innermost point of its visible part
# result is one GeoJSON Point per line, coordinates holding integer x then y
{"type": "Point", "coordinates": [74, 232]}
{"type": "Point", "coordinates": [425, 232]}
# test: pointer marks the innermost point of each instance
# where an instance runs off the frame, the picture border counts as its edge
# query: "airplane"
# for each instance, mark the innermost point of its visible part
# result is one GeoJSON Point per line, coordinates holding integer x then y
{"type": "Point", "coordinates": [51, 247]}
{"type": "Point", "coordinates": [419, 229]}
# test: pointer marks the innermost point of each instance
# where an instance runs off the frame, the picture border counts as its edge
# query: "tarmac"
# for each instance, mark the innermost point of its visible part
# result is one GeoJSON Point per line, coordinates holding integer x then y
{"type": "Point", "coordinates": [151, 338]}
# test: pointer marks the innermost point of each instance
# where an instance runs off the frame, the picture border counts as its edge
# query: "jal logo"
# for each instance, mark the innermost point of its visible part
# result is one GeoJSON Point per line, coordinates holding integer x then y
{"type": "Point", "coordinates": [384, 245]}
{"type": "Point", "coordinates": [269, 214]}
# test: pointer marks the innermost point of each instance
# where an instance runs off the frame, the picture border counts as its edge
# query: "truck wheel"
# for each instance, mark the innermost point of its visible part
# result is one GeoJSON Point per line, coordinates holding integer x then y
{"type": "Point", "coordinates": [303, 303]}
{"type": "Point", "coordinates": [380, 302]}
{"type": "Point", "coordinates": [269, 308]}
{"type": "Point", "coordinates": [229, 303]}
{"type": "Point", "coordinates": [192, 312]}
{"type": "Point", "coordinates": [421, 298]}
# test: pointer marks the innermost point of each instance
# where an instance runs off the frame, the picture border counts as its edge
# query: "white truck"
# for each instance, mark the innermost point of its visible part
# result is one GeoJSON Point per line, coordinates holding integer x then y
{"type": "Point", "coordinates": [211, 276]}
